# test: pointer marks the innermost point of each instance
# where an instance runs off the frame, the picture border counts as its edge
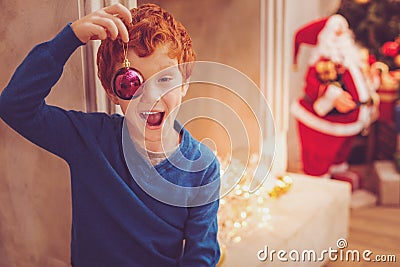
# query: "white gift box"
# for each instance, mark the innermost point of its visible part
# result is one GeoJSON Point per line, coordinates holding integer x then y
{"type": "Point", "coordinates": [389, 182]}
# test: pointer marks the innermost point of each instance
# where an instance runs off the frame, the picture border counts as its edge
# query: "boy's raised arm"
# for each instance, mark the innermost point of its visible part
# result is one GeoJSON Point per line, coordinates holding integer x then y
{"type": "Point", "coordinates": [22, 104]}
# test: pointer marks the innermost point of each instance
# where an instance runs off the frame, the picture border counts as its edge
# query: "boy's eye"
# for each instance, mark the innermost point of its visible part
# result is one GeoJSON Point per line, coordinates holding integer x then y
{"type": "Point", "coordinates": [165, 79]}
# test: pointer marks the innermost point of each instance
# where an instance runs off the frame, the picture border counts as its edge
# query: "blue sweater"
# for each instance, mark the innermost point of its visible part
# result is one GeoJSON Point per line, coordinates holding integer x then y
{"type": "Point", "coordinates": [114, 222]}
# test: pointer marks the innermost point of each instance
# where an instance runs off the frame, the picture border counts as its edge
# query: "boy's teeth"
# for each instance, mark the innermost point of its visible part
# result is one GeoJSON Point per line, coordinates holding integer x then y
{"type": "Point", "coordinates": [149, 112]}
{"type": "Point", "coordinates": [152, 118]}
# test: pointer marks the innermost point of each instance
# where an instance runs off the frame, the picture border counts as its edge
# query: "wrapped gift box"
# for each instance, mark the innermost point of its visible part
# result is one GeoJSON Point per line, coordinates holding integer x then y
{"type": "Point", "coordinates": [389, 182]}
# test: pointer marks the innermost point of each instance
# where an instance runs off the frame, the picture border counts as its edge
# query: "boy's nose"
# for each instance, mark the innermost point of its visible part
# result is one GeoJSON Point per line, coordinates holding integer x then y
{"type": "Point", "coordinates": [151, 94]}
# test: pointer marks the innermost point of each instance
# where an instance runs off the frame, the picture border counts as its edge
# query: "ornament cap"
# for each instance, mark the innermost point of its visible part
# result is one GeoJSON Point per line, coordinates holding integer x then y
{"type": "Point", "coordinates": [126, 63]}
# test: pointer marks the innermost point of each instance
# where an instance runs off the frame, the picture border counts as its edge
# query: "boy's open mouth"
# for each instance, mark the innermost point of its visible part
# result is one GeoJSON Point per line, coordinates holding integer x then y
{"type": "Point", "coordinates": [152, 118]}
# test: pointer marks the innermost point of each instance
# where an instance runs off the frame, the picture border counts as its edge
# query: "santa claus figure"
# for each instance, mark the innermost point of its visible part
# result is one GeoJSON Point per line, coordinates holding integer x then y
{"type": "Point", "coordinates": [337, 103]}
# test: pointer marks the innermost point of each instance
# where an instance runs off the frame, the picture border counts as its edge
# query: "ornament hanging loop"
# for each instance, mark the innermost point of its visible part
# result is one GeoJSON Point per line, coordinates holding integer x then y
{"type": "Point", "coordinates": [126, 62]}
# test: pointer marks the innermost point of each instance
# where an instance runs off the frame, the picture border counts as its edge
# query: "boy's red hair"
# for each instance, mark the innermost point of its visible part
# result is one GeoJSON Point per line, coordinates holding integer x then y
{"type": "Point", "coordinates": [151, 26]}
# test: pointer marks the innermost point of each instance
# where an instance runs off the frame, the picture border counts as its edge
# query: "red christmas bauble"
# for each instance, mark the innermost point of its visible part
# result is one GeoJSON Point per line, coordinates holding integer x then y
{"type": "Point", "coordinates": [390, 49]}
{"type": "Point", "coordinates": [126, 83]}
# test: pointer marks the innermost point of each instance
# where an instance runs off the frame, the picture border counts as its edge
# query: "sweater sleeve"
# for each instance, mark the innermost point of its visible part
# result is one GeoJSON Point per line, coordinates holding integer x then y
{"type": "Point", "coordinates": [201, 247]}
{"type": "Point", "coordinates": [22, 102]}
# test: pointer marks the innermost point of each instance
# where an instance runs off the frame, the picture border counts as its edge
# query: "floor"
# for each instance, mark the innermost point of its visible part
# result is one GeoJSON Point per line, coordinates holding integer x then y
{"type": "Point", "coordinates": [375, 228]}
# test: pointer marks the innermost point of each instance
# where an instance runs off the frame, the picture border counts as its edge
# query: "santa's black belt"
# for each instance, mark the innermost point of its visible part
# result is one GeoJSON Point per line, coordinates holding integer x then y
{"type": "Point", "coordinates": [369, 102]}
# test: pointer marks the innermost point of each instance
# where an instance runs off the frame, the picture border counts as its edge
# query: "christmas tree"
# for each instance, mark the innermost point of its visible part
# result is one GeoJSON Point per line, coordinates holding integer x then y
{"type": "Point", "coordinates": [376, 25]}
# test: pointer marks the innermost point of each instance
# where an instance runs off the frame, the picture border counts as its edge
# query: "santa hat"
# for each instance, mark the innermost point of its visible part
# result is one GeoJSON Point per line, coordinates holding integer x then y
{"type": "Point", "coordinates": [308, 34]}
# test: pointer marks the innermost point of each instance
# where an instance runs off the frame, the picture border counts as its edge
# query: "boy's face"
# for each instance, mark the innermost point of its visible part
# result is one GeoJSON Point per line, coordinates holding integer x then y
{"type": "Point", "coordinates": [153, 113]}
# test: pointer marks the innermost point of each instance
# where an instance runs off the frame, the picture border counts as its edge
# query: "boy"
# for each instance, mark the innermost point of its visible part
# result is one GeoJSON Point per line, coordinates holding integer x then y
{"type": "Point", "coordinates": [116, 221]}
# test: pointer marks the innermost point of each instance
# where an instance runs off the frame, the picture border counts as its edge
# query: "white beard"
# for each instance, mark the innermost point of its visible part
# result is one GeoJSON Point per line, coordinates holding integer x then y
{"type": "Point", "coordinates": [340, 49]}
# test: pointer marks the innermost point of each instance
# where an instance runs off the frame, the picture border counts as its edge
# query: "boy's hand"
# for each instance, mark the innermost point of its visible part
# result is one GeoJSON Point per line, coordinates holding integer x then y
{"type": "Point", "coordinates": [103, 23]}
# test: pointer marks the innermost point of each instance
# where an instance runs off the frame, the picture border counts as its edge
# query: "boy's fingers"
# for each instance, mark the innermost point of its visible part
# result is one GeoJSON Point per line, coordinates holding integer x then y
{"type": "Point", "coordinates": [98, 32]}
{"type": "Point", "coordinates": [108, 24]}
{"type": "Point", "coordinates": [121, 28]}
{"type": "Point", "coordinates": [123, 32]}
{"type": "Point", "coordinates": [120, 10]}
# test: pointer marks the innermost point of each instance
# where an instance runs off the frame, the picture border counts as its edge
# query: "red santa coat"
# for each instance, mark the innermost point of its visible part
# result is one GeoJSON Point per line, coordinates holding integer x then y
{"type": "Point", "coordinates": [326, 134]}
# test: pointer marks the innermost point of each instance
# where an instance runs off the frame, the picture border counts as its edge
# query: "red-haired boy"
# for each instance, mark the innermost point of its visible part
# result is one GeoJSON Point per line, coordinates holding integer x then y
{"type": "Point", "coordinates": [119, 218]}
